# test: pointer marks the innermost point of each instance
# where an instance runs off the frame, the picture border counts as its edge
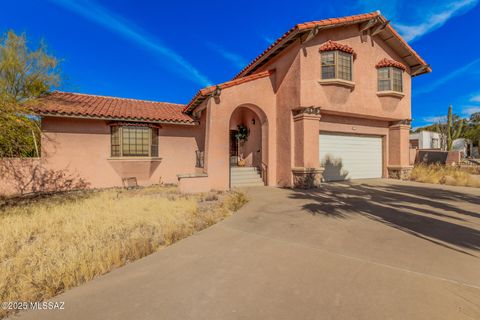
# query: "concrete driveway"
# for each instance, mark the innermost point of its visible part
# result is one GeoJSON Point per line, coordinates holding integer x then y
{"type": "Point", "coordinates": [373, 249]}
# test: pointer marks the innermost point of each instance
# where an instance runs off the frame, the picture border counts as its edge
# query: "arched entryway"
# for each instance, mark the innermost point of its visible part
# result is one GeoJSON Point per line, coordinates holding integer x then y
{"type": "Point", "coordinates": [248, 151]}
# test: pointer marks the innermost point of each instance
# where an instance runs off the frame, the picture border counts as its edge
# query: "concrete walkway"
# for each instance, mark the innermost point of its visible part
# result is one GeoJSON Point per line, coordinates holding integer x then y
{"type": "Point", "coordinates": [373, 249]}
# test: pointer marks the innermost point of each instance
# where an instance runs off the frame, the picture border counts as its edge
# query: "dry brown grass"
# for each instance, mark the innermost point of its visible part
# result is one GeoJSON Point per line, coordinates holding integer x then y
{"type": "Point", "coordinates": [448, 175]}
{"type": "Point", "coordinates": [52, 244]}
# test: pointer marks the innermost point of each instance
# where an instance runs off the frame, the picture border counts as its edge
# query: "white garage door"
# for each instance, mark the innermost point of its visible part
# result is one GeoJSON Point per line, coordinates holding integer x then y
{"type": "Point", "coordinates": [347, 157]}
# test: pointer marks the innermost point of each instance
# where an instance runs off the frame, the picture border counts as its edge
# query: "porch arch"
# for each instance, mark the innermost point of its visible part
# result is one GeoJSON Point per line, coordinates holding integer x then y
{"type": "Point", "coordinates": [255, 149]}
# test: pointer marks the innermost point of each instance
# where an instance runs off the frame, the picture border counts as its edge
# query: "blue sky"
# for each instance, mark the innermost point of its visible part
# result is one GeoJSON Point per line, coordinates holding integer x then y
{"type": "Point", "coordinates": [167, 50]}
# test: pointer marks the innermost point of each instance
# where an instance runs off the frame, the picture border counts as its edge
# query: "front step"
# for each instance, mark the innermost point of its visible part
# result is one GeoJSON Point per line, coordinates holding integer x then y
{"type": "Point", "coordinates": [245, 177]}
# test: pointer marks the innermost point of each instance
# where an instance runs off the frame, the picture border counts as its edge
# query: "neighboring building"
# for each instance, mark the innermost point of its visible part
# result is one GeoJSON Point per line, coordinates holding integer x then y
{"type": "Point", "coordinates": [429, 140]}
{"type": "Point", "coordinates": [465, 146]}
{"type": "Point", "coordinates": [331, 96]}
{"type": "Point", "coordinates": [426, 140]}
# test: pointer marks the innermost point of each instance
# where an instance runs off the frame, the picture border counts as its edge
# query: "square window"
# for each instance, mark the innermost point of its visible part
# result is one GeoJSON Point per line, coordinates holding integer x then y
{"type": "Point", "coordinates": [328, 65]}
{"type": "Point", "coordinates": [390, 79]}
{"type": "Point", "coordinates": [344, 66]}
{"type": "Point", "coordinates": [336, 65]}
{"type": "Point", "coordinates": [131, 141]}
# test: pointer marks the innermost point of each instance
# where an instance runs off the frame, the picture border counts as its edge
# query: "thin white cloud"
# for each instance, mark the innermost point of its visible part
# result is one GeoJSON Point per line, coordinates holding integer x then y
{"type": "Point", "coordinates": [434, 119]}
{"type": "Point", "coordinates": [268, 40]}
{"type": "Point", "coordinates": [468, 110]}
{"type": "Point", "coordinates": [414, 19]}
{"type": "Point", "coordinates": [452, 75]}
{"type": "Point", "coordinates": [102, 16]}
{"type": "Point", "coordinates": [389, 9]}
{"type": "Point", "coordinates": [434, 20]}
{"type": "Point", "coordinates": [237, 60]}
{"type": "Point", "coordinates": [475, 98]}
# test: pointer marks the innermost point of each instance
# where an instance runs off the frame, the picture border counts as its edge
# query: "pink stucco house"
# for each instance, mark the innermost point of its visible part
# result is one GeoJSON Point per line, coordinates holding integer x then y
{"type": "Point", "coordinates": [329, 100]}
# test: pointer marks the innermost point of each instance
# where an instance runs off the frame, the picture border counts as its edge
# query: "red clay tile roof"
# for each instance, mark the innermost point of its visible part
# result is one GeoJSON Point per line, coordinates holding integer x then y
{"type": "Point", "coordinates": [203, 93]}
{"type": "Point", "coordinates": [390, 63]}
{"type": "Point", "coordinates": [91, 106]}
{"type": "Point", "coordinates": [331, 46]}
{"type": "Point", "coordinates": [298, 30]}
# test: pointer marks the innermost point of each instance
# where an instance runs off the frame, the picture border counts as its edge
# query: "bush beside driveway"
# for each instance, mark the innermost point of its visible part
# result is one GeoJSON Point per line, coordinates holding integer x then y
{"type": "Point", "coordinates": [448, 175]}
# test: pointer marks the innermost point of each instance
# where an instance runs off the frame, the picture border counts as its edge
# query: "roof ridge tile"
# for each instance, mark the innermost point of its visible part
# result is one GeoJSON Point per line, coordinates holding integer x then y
{"type": "Point", "coordinates": [113, 97]}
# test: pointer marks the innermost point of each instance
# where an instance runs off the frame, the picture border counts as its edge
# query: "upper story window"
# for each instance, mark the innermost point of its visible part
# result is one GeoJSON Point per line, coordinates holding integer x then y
{"type": "Point", "coordinates": [337, 61]}
{"type": "Point", "coordinates": [390, 75]}
{"type": "Point", "coordinates": [336, 65]}
{"type": "Point", "coordinates": [390, 79]}
{"type": "Point", "coordinates": [134, 141]}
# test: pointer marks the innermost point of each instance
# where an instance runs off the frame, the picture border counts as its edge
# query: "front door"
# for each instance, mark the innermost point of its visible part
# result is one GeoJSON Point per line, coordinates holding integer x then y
{"type": "Point", "coordinates": [233, 147]}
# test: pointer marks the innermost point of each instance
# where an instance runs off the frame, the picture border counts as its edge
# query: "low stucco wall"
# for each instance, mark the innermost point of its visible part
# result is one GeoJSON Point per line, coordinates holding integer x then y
{"type": "Point", "coordinates": [20, 176]}
{"type": "Point", "coordinates": [439, 156]}
{"type": "Point", "coordinates": [83, 146]}
{"type": "Point", "coordinates": [194, 184]}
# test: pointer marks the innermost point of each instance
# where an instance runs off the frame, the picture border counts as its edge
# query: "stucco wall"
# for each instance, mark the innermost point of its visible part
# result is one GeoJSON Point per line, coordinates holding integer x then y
{"type": "Point", "coordinates": [362, 99]}
{"type": "Point", "coordinates": [287, 97]}
{"type": "Point", "coordinates": [83, 146]}
{"type": "Point", "coordinates": [398, 141]}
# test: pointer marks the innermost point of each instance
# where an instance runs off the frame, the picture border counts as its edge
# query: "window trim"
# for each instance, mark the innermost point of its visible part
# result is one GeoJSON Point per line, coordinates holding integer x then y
{"type": "Point", "coordinates": [390, 91]}
{"type": "Point", "coordinates": [120, 143]}
{"type": "Point", "coordinates": [336, 65]}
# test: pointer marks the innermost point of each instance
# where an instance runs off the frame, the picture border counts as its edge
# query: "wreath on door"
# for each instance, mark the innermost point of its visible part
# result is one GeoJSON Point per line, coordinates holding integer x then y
{"type": "Point", "coordinates": [242, 133]}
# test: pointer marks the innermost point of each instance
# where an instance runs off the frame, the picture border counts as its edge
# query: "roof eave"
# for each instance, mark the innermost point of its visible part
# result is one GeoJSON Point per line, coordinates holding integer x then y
{"type": "Point", "coordinates": [419, 62]}
{"type": "Point", "coordinates": [292, 36]}
{"type": "Point", "coordinates": [205, 93]}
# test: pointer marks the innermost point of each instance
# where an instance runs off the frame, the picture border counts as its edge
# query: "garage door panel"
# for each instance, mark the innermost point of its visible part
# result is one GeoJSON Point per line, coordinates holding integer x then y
{"type": "Point", "coordinates": [350, 157]}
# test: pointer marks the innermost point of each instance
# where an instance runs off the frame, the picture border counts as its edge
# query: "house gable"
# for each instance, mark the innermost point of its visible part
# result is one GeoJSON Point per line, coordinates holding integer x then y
{"type": "Point", "coordinates": [358, 97]}
{"type": "Point", "coordinates": [373, 24]}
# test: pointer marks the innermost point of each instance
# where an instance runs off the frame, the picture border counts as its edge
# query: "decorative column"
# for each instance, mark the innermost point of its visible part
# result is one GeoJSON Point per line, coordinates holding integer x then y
{"type": "Point", "coordinates": [398, 150]}
{"type": "Point", "coordinates": [307, 172]}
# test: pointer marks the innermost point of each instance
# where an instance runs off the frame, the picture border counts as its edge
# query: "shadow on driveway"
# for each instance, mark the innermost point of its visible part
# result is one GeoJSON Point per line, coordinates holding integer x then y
{"type": "Point", "coordinates": [437, 215]}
